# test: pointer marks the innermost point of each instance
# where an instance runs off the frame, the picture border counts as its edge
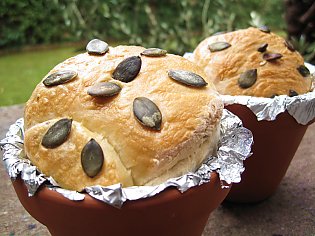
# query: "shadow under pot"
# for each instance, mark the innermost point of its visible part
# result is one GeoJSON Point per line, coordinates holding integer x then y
{"type": "Point", "coordinates": [275, 144]}
{"type": "Point", "coordinates": [167, 213]}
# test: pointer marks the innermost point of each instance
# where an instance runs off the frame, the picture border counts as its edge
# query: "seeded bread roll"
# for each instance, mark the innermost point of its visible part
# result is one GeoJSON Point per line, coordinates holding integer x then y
{"type": "Point", "coordinates": [253, 62]}
{"type": "Point", "coordinates": [121, 115]}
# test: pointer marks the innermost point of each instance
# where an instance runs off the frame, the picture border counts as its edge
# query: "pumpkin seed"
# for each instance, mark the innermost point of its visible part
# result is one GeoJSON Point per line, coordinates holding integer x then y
{"type": "Point", "coordinates": [104, 89]}
{"type": "Point", "coordinates": [187, 77]}
{"type": "Point", "coordinates": [303, 71]}
{"type": "Point", "coordinates": [263, 47]}
{"type": "Point", "coordinates": [218, 46]}
{"type": "Point", "coordinates": [292, 93]}
{"type": "Point", "coordinates": [57, 134]}
{"type": "Point", "coordinates": [92, 158]}
{"type": "Point", "coordinates": [154, 52]}
{"type": "Point", "coordinates": [59, 77]}
{"type": "Point", "coordinates": [147, 113]}
{"type": "Point", "coordinates": [219, 33]}
{"type": "Point", "coordinates": [264, 28]}
{"type": "Point", "coordinates": [262, 63]}
{"type": "Point", "coordinates": [248, 78]}
{"type": "Point", "coordinates": [289, 45]}
{"type": "Point", "coordinates": [97, 47]}
{"type": "Point", "coordinates": [128, 69]}
{"type": "Point", "coordinates": [271, 56]}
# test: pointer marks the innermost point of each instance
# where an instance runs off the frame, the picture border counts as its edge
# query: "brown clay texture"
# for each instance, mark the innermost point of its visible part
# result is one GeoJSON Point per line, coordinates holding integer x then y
{"type": "Point", "coordinates": [275, 144]}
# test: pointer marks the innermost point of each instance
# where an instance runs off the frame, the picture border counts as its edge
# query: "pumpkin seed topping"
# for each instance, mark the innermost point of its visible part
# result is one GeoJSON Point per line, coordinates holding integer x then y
{"type": "Point", "coordinates": [92, 158]}
{"type": "Point", "coordinates": [293, 93]}
{"type": "Point", "coordinates": [289, 45]}
{"type": "Point", "coordinates": [187, 77]}
{"type": "Point", "coordinates": [248, 78]}
{"type": "Point", "coordinates": [57, 134]}
{"type": "Point", "coordinates": [219, 33]}
{"type": "Point", "coordinates": [263, 47]}
{"type": "Point", "coordinates": [147, 113]}
{"type": "Point", "coordinates": [97, 47]}
{"type": "Point", "coordinates": [264, 28]}
{"type": "Point", "coordinates": [271, 56]}
{"type": "Point", "coordinates": [128, 69]}
{"type": "Point", "coordinates": [262, 63]}
{"type": "Point", "coordinates": [104, 89]}
{"type": "Point", "coordinates": [154, 52]}
{"type": "Point", "coordinates": [218, 46]}
{"type": "Point", "coordinates": [303, 71]}
{"type": "Point", "coordinates": [59, 77]}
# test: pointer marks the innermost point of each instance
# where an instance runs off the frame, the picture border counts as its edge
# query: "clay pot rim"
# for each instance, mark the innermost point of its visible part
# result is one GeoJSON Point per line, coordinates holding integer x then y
{"type": "Point", "coordinates": [170, 194]}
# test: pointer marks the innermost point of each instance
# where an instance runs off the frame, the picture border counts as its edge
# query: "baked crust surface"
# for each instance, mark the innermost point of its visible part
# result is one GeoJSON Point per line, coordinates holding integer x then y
{"type": "Point", "coordinates": [276, 77]}
{"type": "Point", "coordinates": [133, 153]}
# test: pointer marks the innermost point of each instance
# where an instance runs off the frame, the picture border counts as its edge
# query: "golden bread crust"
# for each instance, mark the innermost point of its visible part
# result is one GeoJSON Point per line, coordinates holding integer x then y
{"type": "Point", "coordinates": [275, 77]}
{"type": "Point", "coordinates": [190, 117]}
{"type": "Point", "coordinates": [64, 163]}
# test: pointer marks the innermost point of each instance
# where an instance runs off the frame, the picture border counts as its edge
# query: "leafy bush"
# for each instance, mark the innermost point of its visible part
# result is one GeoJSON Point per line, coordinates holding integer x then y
{"type": "Point", "coordinates": [174, 25]}
{"type": "Point", "coordinates": [30, 22]}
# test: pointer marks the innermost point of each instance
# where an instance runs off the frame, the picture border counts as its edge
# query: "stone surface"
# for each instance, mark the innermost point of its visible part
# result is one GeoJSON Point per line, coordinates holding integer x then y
{"type": "Point", "coordinates": [14, 219]}
{"type": "Point", "coordinates": [290, 211]}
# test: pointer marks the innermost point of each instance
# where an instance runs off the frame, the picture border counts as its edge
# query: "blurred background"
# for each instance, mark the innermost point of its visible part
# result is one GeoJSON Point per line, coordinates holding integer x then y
{"type": "Point", "coordinates": [35, 35]}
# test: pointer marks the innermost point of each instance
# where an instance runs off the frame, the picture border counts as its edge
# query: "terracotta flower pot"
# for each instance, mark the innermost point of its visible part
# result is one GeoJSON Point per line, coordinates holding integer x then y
{"type": "Point", "coordinates": [275, 143]}
{"type": "Point", "coordinates": [168, 213]}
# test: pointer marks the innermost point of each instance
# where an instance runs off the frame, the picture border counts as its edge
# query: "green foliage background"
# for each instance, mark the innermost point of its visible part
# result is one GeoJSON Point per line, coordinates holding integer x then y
{"type": "Point", "coordinates": [177, 26]}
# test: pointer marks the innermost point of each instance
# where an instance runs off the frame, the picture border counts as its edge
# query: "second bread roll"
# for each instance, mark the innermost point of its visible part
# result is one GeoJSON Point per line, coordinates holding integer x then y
{"type": "Point", "coordinates": [253, 62]}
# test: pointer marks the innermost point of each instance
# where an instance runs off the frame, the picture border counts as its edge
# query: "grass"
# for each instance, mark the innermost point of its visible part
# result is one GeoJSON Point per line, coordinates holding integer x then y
{"type": "Point", "coordinates": [21, 72]}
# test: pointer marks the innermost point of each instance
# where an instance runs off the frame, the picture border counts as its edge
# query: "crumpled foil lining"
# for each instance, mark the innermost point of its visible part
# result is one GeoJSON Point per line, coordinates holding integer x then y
{"type": "Point", "coordinates": [234, 147]}
{"type": "Point", "coordinates": [301, 107]}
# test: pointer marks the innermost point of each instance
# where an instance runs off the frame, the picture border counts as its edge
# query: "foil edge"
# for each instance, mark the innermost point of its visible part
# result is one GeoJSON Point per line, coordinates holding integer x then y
{"type": "Point", "coordinates": [228, 164]}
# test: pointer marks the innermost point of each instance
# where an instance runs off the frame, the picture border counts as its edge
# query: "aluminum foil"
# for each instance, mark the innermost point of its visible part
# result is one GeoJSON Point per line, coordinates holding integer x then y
{"type": "Point", "coordinates": [234, 147]}
{"type": "Point", "coordinates": [301, 107]}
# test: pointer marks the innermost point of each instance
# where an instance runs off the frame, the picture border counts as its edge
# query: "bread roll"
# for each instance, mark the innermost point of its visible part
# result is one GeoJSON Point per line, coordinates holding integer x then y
{"type": "Point", "coordinates": [253, 62]}
{"type": "Point", "coordinates": [81, 137]}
